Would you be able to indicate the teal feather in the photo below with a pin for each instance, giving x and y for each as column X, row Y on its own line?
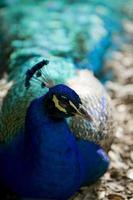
column 63, row 41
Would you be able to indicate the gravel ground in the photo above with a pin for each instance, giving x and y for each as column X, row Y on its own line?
column 117, row 184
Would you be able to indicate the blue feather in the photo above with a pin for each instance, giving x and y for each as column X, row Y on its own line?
column 46, row 160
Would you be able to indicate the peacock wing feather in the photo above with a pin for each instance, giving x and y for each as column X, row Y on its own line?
column 98, row 104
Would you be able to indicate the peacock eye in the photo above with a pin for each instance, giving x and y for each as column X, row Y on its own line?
column 63, row 99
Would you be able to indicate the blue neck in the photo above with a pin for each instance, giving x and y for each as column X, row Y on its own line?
column 52, row 150
column 41, row 128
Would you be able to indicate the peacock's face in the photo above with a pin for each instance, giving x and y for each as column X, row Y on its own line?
column 61, row 102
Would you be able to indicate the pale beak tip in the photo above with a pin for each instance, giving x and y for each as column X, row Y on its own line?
column 84, row 114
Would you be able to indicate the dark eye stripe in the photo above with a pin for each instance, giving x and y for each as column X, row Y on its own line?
column 64, row 105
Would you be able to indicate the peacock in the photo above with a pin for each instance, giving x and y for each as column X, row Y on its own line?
column 57, row 120
column 45, row 159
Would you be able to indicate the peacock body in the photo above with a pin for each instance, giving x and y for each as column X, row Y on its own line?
column 40, row 163
column 70, row 49
column 46, row 161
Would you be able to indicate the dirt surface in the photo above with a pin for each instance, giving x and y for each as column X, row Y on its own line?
column 117, row 183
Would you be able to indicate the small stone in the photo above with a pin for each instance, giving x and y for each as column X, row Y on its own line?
column 131, row 156
column 115, row 197
column 130, row 174
column 116, row 187
column 117, row 160
column 101, row 195
column 130, row 187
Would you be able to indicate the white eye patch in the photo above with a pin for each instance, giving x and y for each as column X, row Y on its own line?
column 57, row 105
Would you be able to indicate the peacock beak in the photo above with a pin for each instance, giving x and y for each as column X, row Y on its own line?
column 82, row 112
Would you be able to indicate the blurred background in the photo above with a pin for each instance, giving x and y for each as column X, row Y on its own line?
column 95, row 34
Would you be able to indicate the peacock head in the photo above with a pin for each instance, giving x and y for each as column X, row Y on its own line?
column 60, row 101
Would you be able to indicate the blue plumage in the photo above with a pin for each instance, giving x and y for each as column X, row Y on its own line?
column 45, row 160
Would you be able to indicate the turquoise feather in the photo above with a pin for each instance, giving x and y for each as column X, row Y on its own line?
column 70, row 45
